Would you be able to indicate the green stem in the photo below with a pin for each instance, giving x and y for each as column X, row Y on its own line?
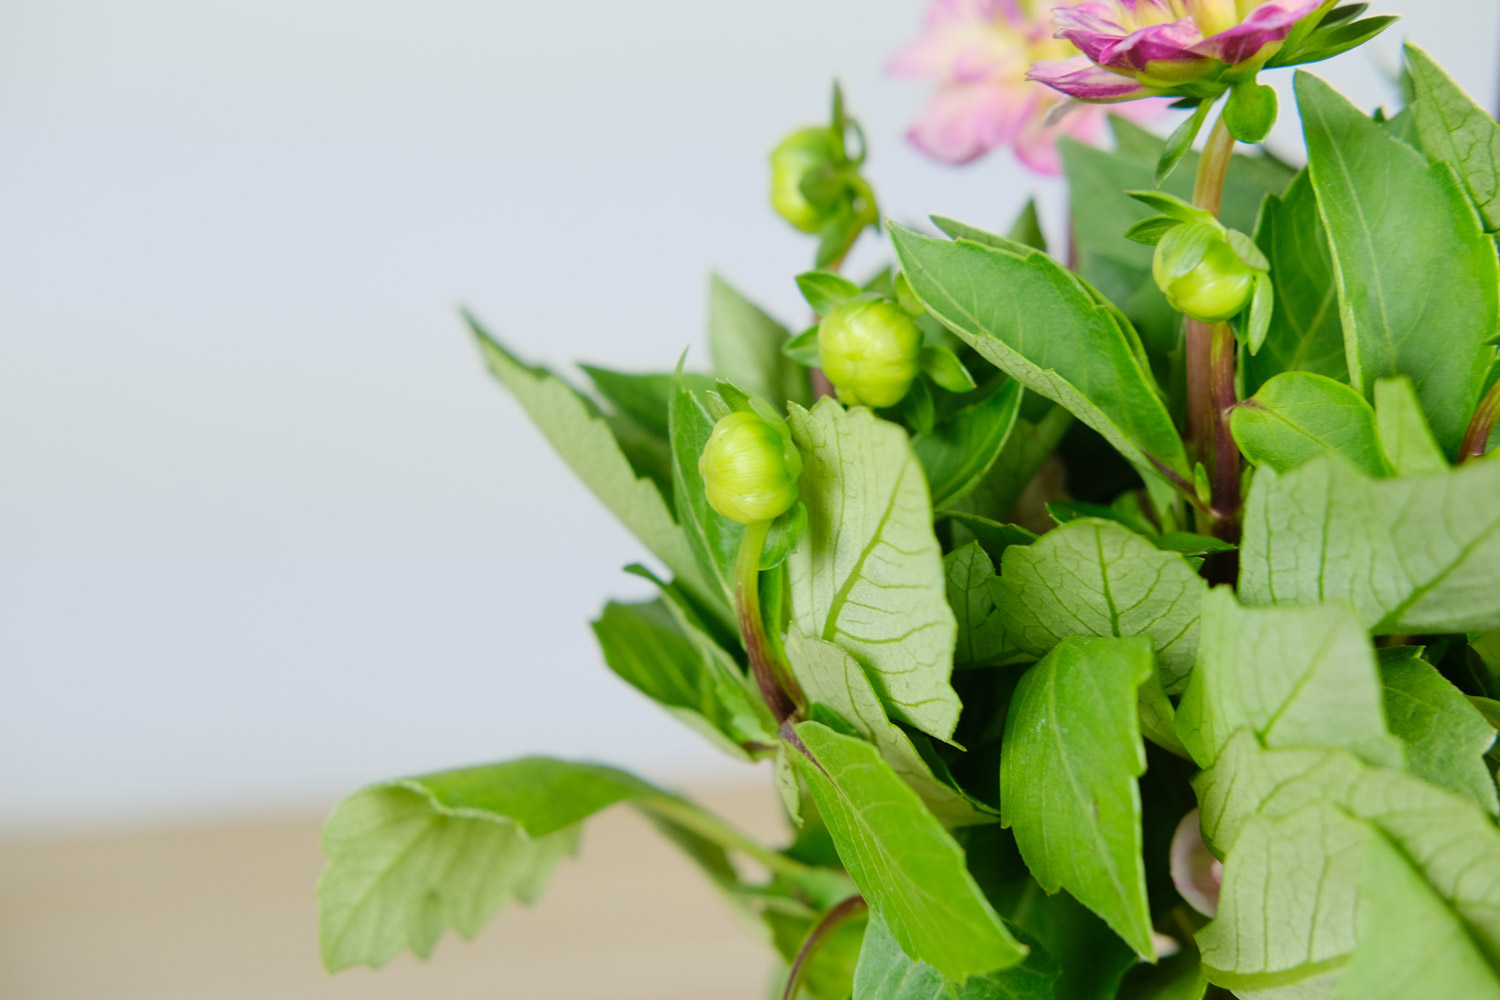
column 767, row 662
column 1477, row 437
column 691, row 817
column 1210, row 352
column 832, row 921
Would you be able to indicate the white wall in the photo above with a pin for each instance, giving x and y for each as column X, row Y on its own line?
column 266, row 530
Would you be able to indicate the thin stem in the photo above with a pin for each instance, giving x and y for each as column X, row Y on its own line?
column 1213, row 167
column 763, row 655
column 831, row 922
column 1481, row 426
column 692, row 817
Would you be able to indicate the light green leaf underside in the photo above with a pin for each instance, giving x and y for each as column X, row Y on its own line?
column 868, row 574
column 645, row 645
column 413, row 858
column 982, row 639
column 1294, row 676
column 1458, row 132
column 1298, row 826
column 1412, row 555
column 1036, row 321
column 1405, row 439
column 1097, row 577
column 1305, row 333
column 909, row 869
column 580, row 434
column 1073, row 752
column 831, row 678
column 1299, row 415
column 886, row 973
column 1445, row 736
column 745, row 345
column 1419, row 285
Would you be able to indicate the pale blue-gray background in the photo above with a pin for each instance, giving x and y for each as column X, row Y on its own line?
column 266, row 529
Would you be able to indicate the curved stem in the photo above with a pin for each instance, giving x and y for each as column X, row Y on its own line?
column 692, row 817
column 763, row 654
column 1481, row 426
column 831, row 922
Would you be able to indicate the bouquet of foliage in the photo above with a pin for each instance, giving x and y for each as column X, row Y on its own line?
column 1117, row 622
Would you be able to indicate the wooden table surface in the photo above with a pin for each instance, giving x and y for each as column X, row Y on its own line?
column 227, row 911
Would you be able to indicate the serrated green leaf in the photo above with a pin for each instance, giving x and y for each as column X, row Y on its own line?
column 1458, row 132
column 746, row 347
column 1299, row 415
column 1305, row 333
column 868, row 574
column 1096, row 577
column 982, row 640
column 1445, row 736
column 645, row 645
column 831, row 678
column 1072, row 798
column 1293, row 676
column 963, row 446
column 886, row 973
column 579, row 433
column 909, row 869
column 1034, row 320
column 1417, row 554
column 1405, row 439
column 1419, row 285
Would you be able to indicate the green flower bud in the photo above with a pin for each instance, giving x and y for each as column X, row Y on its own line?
column 871, row 351
column 799, row 157
column 750, row 468
column 1201, row 274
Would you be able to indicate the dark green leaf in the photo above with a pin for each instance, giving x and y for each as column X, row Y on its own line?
column 1419, row 286
column 1446, row 737
column 962, row 448
column 886, row 973
column 1180, row 141
column 1025, row 454
column 1072, row 798
column 992, row 536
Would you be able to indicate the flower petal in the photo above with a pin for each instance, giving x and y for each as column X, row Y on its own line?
column 1091, row 26
column 1077, row 77
column 962, row 122
column 1174, row 42
column 1265, row 25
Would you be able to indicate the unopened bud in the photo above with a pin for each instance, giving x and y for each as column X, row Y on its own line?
column 750, row 468
column 871, row 352
column 801, row 157
column 1201, row 275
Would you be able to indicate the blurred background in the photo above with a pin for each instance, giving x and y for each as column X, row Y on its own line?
column 268, row 531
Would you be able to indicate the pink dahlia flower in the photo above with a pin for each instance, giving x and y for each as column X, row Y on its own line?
column 978, row 53
column 1131, row 48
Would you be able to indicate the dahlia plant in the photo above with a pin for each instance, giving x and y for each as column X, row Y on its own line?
column 1115, row 623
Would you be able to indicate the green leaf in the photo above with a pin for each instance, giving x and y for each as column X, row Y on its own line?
column 1179, row 977
column 944, row 368
column 579, row 433
column 886, row 973
column 826, row 291
column 868, row 574
column 410, row 859
column 803, row 348
column 1419, row 285
column 829, row 973
column 1068, row 788
column 1101, row 212
column 992, row 536
column 785, row 532
column 1412, row 555
column 1445, row 736
column 1180, row 141
column 909, row 869
column 830, row 678
column 1458, row 132
column 1293, row 676
column 1150, row 231
column 1027, row 228
column 982, row 640
column 1026, row 451
column 1033, row 319
column 1298, row 415
column 746, row 346
column 1405, row 439
column 1096, row 577
column 1305, row 333
column 645, row 645
column 1250, row 111
column 715, row 539
column 965, row 444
